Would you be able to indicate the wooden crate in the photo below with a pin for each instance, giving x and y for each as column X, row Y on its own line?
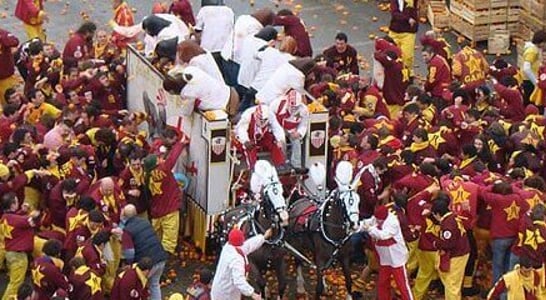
column 498, row 42
column 534, row 23
column 484, row 16
column 438, row 15
column 536, row 8
column 524, row 32
column 477, row 33
column 484, row 4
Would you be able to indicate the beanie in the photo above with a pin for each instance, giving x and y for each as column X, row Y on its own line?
column 381, row 212
column 4, row 170
column 236, row 237
column 531, row 110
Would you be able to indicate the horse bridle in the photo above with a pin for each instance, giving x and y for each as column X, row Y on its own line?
column 334, row 196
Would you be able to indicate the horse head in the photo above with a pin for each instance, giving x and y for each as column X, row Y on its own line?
column 265, row 183
column 348, row 197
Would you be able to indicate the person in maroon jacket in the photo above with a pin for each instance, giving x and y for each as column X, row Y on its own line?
column 131, row 283
column 511, row 104
column 18, row 230
column 531, row 237
column 80, row 45
column 92, row 252
column 7, row 64
column 32, row 13
column 396, row 77
column 47, row 276
column 165, row 195
column 183, row 10
column 63, row 196
column 403, row 27
column 454, row 247
column 294, row 27
column 439, row 75
column 342, row 56
column 86, row 284
column 440, row 45
column 371, row 185
column 506, row 212
column 82, row 228
column 131, row 181
column 417, row 181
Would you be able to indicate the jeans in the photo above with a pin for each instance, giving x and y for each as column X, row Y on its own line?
column 154, row 277
column 501, row 256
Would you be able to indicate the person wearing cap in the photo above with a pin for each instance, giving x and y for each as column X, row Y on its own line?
column 384, row 228
column 292, row 115
column 200, row 290
column 523, row 282
column 164, row 195
column 232, row 269
column 139, row 241
column 17, row 228
column 255, row 131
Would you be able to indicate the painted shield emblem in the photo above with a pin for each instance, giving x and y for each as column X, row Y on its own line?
column 218, row 145
column 317, row 138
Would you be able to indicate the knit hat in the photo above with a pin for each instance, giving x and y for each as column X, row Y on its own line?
column 531, row 110
column 149, row 162
column 4, row 170
column 236, row 237
column 381, row 212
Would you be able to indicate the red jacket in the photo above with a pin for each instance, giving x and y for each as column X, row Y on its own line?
column 452, row 240
column 531, row 239
column 7, row 64
column 439, row 76
column 294, row 27
column 130, row 284
column 76, row 49
column 93, row 258
column 18, row 232
column 164, row 189
column 28, row 11
column 111, row 210
column 440, row 46
column 86, row 284
column 413, row 183
column 182, row 9
column 396, row 79
column 464, row 200
column 506, row 212
column 511, row 106
column 399, row 19
column 47, row 278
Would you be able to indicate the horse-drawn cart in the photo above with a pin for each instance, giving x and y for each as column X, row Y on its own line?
column 210, row 164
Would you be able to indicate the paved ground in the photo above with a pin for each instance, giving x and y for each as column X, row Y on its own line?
column 323, row 18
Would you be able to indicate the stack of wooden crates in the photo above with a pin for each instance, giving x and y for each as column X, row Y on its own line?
column 477, row 19
column 532, row 19
column 438, row 14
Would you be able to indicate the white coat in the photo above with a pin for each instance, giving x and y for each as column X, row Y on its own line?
column 395, row 255
column 286, row 77
column 230, row 282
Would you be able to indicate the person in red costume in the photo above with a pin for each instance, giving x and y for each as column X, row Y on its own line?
column 439, row 73
column 123, row 16
column 131, row 283
column 294, row 27
column 32, row 13
column 183, row 10
column 47, row 276
column 8, row 79
column 80, row 45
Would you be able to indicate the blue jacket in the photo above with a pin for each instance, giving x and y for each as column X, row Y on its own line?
column 145, row 240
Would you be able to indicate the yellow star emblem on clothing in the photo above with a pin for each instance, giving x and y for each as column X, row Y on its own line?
column 459, row 195
column 94, row 283
column 6, row 229
column 76, row 220
column 533, row 238
column 538, row 130
column 432, row 228
column 512, row 211
column 37, row 276
column 435, row 139
column 530, row 140
column 533, row 201
column 473, row 64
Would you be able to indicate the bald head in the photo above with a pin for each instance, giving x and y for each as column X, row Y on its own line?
column 107, row 186
column 129, row 211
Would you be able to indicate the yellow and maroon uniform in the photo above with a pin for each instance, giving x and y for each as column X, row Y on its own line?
column 47, row 277
column 86, row 284
column 470, row 67
column 130, row 284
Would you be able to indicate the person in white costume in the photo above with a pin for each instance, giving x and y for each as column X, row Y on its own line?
column 386, row 233
column 290, row 75
column 214, row 27
column 291, row 113
column 191, row 54
column 230, row 281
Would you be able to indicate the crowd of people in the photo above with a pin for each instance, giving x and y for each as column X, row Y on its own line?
column 452, row 166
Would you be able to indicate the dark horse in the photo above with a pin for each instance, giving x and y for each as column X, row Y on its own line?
column 254, row 218
column 324, row 228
